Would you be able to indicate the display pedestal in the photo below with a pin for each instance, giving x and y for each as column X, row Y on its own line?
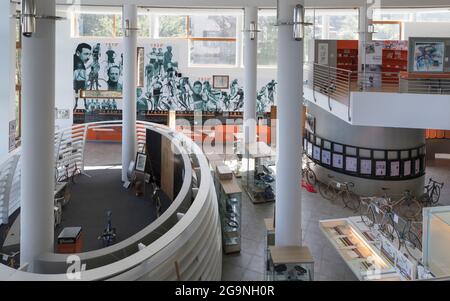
column 290, row 263
column 70, row 241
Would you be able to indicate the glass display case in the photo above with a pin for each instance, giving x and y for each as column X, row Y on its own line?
column 258, row 179
column 436, row 240
column 230, row 204
column 290, row 263
column 360, row 253
column 268, row 242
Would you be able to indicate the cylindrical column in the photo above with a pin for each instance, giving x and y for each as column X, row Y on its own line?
column 365, row 18
column 289, row 142
column 250, row 62
column 129, row 88
column 38, row 122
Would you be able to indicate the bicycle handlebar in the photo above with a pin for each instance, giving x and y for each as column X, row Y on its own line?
column 431, row 181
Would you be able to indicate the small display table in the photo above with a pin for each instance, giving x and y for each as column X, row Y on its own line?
column 70, row 241
column 290, row 263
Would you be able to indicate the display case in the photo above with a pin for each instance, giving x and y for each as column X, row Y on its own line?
column 290, row 263
column 359, row 249
column 268, row 242
column 258, row 179
column 436, row 240
column 230, row 204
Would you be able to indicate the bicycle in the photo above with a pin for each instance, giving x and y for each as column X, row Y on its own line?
column 308, row 173
column 410, row 239
column 432, row 193
column 376, row 211
column 10, row 259
column 412, row 209
column 109, row 235
column 335, row 190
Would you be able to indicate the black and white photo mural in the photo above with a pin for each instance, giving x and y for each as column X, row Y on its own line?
column 99, row 67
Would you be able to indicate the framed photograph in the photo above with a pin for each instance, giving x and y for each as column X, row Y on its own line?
column 310, row 149
column 395, row 169
column 429, row 56
column 417, row 166
column 141, row 160
column 380, row 168
column 326, row 157
column 338, row 161
column 351, row 164
column 323, row 54
column 366, row 167
column 221, row 82
column 316, row 153
column 407, row 168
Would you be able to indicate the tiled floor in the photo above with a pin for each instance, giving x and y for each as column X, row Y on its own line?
column 248, row 264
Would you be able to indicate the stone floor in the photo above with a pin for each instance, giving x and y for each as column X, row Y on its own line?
column 248, row 264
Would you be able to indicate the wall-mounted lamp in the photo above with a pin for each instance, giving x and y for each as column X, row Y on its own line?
column 127, row 29
column 370, row 28
column 28, row 18
column 253, row 30
column 298, row 21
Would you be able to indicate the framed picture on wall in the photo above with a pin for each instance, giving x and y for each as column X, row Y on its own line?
column 351, row 164
column 380, row 168
column 407, row 168
column 429, row 56
column 316, row 153
column 417, row 166
column 366, row 167
column 141, row 160
column 395, row 169
column 310, row 149
column 221, row 81
column 326, row 157
column 338, row 161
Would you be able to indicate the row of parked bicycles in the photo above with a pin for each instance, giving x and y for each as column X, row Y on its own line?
column 396, row 217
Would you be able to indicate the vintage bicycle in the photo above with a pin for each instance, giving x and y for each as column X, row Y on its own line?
column 336, row 190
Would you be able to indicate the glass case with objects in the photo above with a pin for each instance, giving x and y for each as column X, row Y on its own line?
column 436, row 240
column 358, row 250
column 268, row 242
column 290, row 263
column 258, row 179
column 229, row 198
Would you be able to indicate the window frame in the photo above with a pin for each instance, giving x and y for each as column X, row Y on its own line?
column 390, row 22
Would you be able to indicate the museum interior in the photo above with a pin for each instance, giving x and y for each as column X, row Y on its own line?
column 256, row 140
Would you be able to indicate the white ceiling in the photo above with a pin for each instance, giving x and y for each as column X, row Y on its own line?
column 258, row 3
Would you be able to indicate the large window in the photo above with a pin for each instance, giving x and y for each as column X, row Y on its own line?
column 172, row 26
column 335, row 24
column 212, row 39
column 393, row 24
column 97, row 25
column 267, row 38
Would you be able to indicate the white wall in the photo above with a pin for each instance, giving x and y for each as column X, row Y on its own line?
column 426, row 29
column 401, row 110
column 7, row 73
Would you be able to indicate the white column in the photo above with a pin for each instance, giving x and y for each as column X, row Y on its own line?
column 38, row 120
column 325, row 27
column 289, row 141
column 129, row 90
column 365, row 18
column 7, row 73
column 250, row 63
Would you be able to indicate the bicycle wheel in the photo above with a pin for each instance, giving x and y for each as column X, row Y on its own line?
column 412, row 242
column 351, row 200
column 412, row 209
column 327, row 192
column 311, row 177
column 387, row 228
column 435, row 195
column 367, row 214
